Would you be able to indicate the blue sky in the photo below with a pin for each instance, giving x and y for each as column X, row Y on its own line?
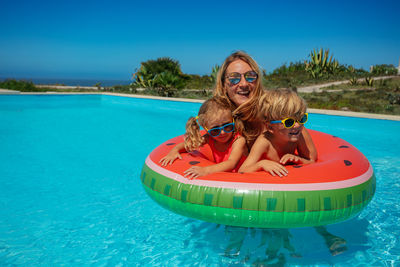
column 109, row 39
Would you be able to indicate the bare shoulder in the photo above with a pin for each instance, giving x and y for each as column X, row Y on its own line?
column 262, row 141
column 239, row 141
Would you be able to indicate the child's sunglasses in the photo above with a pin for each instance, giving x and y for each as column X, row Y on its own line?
column 235, row 77
column 290, row 122
column 214, row 132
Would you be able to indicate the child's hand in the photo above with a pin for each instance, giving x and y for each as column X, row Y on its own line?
column 195, row 172
column 290, row 158
column 170, row 158
column 274, row 168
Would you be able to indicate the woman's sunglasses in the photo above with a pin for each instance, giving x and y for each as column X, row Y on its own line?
column 235, row 77
column 290, row 122
column 214, row 132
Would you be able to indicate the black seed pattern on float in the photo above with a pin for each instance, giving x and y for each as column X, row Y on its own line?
column 347, row 162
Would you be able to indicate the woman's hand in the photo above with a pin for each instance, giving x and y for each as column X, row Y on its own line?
column 170, row 158
column 195, row 172
column 274, row 168
column 290, row 158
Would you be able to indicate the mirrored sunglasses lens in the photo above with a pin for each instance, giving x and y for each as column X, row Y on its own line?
column 289, row 123
column 250, row 79
column 250, row 76
column 234, row 80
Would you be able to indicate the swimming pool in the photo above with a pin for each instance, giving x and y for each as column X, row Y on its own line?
column 70, row 192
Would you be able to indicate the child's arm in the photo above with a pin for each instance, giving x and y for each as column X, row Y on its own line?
column 238, row 148
column 253, row 162
column 287, row 158
column 173, row 154
column 305, row 148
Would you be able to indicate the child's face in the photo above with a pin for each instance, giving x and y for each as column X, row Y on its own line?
column 218, row 120
column 283, row 134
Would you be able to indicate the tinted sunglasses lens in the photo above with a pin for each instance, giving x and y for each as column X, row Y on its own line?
column 214, row 132
column 289, row 123
column 234, row 77
column 304, row 119
column 228, row 128
column 250, row 79
column 250, row 76
column 234, row 80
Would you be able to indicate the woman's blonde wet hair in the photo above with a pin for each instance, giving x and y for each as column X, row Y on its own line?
column 247, row 113
column 209, row 109
column 279, row 104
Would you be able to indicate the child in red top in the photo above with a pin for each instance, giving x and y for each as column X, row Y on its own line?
column 227, row 145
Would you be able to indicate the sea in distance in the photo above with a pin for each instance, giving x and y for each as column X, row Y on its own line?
column 71, row 82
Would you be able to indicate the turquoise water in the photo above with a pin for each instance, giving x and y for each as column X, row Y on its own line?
column 70, row 192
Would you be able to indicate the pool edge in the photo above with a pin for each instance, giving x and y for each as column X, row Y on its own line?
column 311, row 110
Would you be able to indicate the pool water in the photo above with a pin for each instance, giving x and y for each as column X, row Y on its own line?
column 70, row 192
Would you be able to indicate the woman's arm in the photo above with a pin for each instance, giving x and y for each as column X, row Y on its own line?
column 238, row 148
column 253, row 162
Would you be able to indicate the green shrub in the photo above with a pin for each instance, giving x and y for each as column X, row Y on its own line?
column 193, row 81
column 369, row 81
column 168, row 83
column 23, row 86
column 163, row 73
column 384, row 69
column 321, row 65
column 353, row 81
column 214, row 73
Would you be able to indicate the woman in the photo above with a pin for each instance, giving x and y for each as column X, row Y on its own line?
column 239, row 82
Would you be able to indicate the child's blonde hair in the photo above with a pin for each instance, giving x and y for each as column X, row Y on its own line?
column 279, row 104
column 208, row 110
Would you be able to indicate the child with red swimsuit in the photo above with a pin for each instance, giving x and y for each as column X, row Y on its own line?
column 227, row 145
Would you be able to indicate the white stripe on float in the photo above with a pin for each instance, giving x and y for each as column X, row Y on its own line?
column 267, row 187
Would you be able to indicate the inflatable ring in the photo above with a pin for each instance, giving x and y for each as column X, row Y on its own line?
column 335, row 188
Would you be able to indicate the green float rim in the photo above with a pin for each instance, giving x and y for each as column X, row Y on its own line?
column 258, row 208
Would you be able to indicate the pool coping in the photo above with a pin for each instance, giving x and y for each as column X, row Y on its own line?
column 311, row 110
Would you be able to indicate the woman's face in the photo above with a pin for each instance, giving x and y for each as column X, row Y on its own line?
column 241, row 92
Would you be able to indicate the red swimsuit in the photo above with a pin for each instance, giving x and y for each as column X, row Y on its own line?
column 220, row 156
